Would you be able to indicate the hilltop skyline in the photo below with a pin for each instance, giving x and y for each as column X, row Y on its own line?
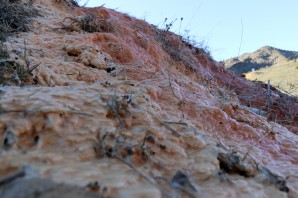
column 230, row 28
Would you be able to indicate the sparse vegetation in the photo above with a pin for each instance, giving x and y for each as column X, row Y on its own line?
column 119, row 108
column 15, row 17
column 87, row 23
column 180, row 49
column 171, row 46
column 137, row 155
column 15, row 72
column 192, row 42
column 121, row 150
column 282, row 109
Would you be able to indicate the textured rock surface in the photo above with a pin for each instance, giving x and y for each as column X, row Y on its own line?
column 119, row 93
column 30, row 188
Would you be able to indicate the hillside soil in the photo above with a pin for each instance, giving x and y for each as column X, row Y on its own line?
column 110, row 106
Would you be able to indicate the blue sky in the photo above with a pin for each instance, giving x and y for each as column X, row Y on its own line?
column 219, row 22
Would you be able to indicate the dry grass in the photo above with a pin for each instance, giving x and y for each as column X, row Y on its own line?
column 119, row 108
column 282, row 109
column 15, row 17
column 13, row 72
column 183, row 50
column 87, row 23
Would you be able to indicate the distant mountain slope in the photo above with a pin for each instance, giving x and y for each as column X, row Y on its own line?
column 283, row 76
column 263, row 57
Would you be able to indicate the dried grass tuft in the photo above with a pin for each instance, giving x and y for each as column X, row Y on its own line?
column 87, row 23
column 15, row 17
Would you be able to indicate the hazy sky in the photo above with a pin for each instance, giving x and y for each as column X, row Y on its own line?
column 218, row 22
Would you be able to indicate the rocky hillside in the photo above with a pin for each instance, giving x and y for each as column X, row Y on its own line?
column 263, row 57
column 96, row 103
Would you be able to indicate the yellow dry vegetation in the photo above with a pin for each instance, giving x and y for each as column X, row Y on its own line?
column 283, row 76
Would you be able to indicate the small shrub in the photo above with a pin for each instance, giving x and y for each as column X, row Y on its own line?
column 14, row 71
column 15, row 17
column 168, row 45
column 180, row 49
column 88, row 23
column 191, row 42
column 9, row 72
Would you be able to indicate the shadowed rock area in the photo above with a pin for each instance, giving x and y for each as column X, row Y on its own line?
column 43, row 188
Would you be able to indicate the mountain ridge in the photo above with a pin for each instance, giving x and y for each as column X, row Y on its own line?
column 265, row 56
